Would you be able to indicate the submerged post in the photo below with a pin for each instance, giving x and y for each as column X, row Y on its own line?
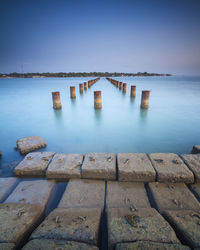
column 145, row 99
column 85, row 85
column 81, row 88
column 124, row 87
column 133, row 91
column 72, row 92
column 97, row 100
column 56, row 100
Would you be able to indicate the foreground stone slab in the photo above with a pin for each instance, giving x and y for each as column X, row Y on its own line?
column 99, row 166
column 30, row 143
column 57, row 245
column 34, row 164
column 6, row 186
column 187, row 223
column 32, row 192
column 7, row 246
column 135, row 167
column 193, row 163
column 126, row 194
column 83, row 193
column 65, row 166
column 17, row 221
column 196, row 149
column 170, row 168
column 173, row 196
column 196, row 188
column 71, row 224
column 145, row 224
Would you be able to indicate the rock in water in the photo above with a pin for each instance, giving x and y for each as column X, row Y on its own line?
column 30, row 143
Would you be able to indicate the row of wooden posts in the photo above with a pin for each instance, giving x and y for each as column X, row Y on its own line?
column 123, row 86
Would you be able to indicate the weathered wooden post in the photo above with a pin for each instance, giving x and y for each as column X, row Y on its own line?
column 85, row 85
column 145, row 99
column 120, row 85
column 133, row 91
column 97, row 100
column 56, row 100
column 81, row 88
column 72, row 92
column 124, row 87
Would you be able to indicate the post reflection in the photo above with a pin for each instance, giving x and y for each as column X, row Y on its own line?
column 98, row 115
column 143, row 115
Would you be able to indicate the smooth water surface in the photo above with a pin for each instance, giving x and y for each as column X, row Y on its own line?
column 171, row 124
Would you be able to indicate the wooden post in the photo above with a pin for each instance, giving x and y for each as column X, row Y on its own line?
column 81, row 88
column 56, row 100
column 133, row 91
column 124, row 87
column 72, row 92
column 145, row 99
column 85, row 85
column 97, row 100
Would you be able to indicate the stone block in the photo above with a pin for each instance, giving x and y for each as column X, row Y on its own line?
column 65, row 166
column 196, row 188
column 83, row 193
column 7, row 246
column 170, row 168
column 196, row 149
column 99, row 166
column 34, row 164
column 193, row 163
column 6, row 186
column 135, row 167
column 30, row 143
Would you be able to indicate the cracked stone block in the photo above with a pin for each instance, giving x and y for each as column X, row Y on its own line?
column 170, row 168
column 17, row 221
column 65, row 166
column 71, row 224
column 57, row 245
column 83, row 193
column 196, row 188
column 145, row 224
column 126, row 194
column 30, row 143
column 6, row 186
column 135, row 167
column 99, row 166
column 173, row 196
column 196, row 149
column 193, row 163
column 7, row 246
column 187, row 223
column 34, row 164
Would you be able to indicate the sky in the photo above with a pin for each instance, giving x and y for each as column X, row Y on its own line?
column 160, row 36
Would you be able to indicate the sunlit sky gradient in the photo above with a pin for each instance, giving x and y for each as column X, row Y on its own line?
column 161, row 36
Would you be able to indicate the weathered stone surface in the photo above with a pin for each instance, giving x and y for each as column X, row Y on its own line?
column 32, row 192
column 83, row 193
column 170, row 168
column 65, row 166
column 135, row 167
column 126, row 194
column 6, row 186
column 7, row 246
column 57, row 245
column 145, row 224
column 193, row 163
column 196, row 188
column 17, row 220
column 99, row 166
column 34, row 164
column 187, row 223
column 173, row 196
column 148, row 245
column 30, row 143
column 196, row 149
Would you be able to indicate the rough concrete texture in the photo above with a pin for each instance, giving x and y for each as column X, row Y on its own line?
column 187, row 223
column 32, row 192
column 126, row 194
column 7, row 246
column 99, row 166
column 170, row 168
column 34, row 164
column 148, row 245
column 173, row 196
column 71, row 224
column 145, row 224
column 196, row 149
column 196, row 188
column 65, row 166
column 6, row 186
column 30, row 143
column 193, row 163
column 83, row 193
column 17, row 220
column 135, row 167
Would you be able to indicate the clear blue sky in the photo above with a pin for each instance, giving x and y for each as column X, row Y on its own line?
column 161, row 36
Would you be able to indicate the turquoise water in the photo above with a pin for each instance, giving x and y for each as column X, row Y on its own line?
column 171, row 124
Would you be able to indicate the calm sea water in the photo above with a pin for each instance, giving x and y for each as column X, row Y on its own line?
column 171, row 124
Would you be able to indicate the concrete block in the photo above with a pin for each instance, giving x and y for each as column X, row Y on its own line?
column 71, row 224
column 34, row 164
column 145, row 224
column 99, row 166
column 170, row 168
column 6, row 186
column 126, row 194
column 196, row 149
column 193, row 163
column 17, row 221
column 7, row 246
column 30, row 143
column 65, row 166
column 83, row 193
column 135, row 167
column 196, row 188
column 187, row 223
column 173, row 196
